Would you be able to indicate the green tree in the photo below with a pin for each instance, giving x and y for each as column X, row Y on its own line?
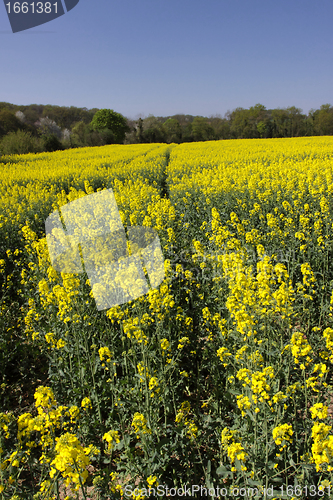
column 79, row 132
column 109, row 119
column 239, row 123
column 296, row 122
column 31, row 116
column 173, row 131
column 187, row 135
column 8, row 122
column 221, row 127
column 83, row 136
column 261, row 127
column 139, row 130
column 257, row 114
column 66, row 117
column 153, row 130
column 279, row 123
column 202, row 130
column 288, row 122
column 323, row 120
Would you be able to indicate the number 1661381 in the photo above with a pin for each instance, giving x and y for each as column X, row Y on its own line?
column 32, row 8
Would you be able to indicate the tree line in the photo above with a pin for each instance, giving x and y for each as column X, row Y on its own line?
column 36, row 128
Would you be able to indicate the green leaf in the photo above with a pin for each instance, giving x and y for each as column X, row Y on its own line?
column 254, row 483
column 238, row 465
column 223, row 472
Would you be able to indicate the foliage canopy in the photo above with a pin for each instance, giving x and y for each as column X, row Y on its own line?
column 109, row 119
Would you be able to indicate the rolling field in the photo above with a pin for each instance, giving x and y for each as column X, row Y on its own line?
column 218, row 381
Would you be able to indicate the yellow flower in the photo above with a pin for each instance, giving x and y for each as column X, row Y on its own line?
column 86, row 403
column 243, row 402
column 44, row 397
column 322, row 448
column 74, row 412
column 152, row 480
column 71, row 460
column 140, row 424
column 223, row 354
column 226, row 437
column 154, row 386
column 192, row 429
column 183, row 341
column 300, row 347
column 184, row 410
column 282, row 433
column 325, row 484
column 104, row 352
column 111, row 437
column 318, row 410
column 60, row 344
column 50, row 338
column 279, row 396
column 236, row 450
column 165, row 344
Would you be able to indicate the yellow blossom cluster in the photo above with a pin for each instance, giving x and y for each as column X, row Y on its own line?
column 322, row 447
column 139, row 423
column 233, row 448
column 182, row 419
column 282, row 434
column 300, row 348
column 111, row 437
column 64, row 455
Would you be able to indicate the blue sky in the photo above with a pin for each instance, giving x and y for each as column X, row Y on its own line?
column 162, row 57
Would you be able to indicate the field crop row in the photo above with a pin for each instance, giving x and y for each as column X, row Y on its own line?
column 222, row 375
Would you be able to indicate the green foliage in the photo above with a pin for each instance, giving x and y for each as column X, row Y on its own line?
column 202, row 130
column 100, row 127
column 65, row 117
column 8, row 122
column 109, row 119
column 79, row 132
column 51, row 143
column 20, row 142
column 153, row 130
column 261, row 127
column 324, row 120
column 173, row 131
column 107, row 136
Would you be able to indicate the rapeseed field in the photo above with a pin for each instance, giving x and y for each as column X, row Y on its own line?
column 215, row 384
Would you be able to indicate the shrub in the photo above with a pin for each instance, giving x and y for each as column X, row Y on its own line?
column 20, row 142
column 51, row 143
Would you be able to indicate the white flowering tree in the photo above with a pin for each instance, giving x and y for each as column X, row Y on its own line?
column 21, row 116
column 48, row 127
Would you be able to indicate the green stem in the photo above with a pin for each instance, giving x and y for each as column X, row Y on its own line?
column 94, row 384
column 81, row 484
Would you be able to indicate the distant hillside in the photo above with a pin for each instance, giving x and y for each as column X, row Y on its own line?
column 64, row 117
